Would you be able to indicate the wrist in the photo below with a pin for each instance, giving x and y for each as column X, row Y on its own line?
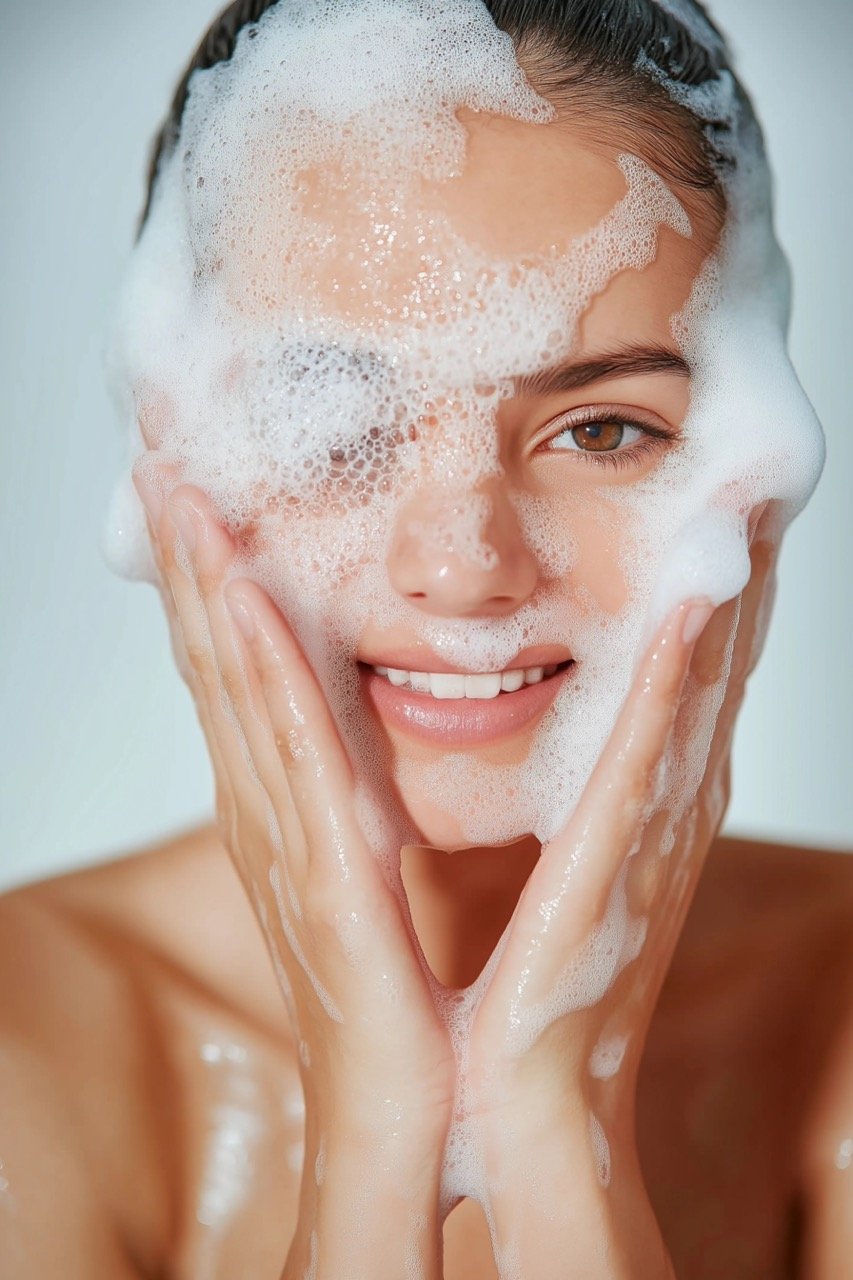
column 567, row 1199
column 369, row 1206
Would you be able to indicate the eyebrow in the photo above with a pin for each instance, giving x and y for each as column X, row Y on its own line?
column 627, row 362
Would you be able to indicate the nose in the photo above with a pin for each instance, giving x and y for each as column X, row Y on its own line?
column 462, row 554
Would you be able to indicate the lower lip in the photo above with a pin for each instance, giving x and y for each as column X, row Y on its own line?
column 462, row 722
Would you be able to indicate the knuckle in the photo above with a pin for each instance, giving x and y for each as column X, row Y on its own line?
column 205, row 673
column 232, row 684
column 206, row 581
column 320, row 905
column 291, row 749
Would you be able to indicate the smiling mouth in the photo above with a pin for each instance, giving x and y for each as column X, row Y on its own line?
column 453, row 710
column 481, row 687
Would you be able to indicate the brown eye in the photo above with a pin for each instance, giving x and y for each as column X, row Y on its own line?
column 599, row 437
column 608, row 435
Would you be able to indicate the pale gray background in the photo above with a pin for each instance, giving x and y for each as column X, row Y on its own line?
column 100, row 750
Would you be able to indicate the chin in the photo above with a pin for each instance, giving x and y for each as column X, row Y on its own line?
column 435, row 828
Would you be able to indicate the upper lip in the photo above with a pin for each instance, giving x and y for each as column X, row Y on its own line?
column 421, row 658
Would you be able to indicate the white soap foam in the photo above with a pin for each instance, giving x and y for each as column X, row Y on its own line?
column 606, row 1058
column 614, row 942
column 600, row 1150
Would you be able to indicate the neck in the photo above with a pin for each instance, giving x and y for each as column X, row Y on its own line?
column 461, row 902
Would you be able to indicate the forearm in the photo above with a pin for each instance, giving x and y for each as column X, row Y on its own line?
column 563, row 1206
column 369, row 1210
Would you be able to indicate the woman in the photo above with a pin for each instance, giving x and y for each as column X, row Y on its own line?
column 175, row 1102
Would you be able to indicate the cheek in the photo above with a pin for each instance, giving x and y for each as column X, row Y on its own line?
column 306, row 557
column 603, row 535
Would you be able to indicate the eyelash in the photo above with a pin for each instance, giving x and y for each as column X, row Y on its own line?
column 654, row 437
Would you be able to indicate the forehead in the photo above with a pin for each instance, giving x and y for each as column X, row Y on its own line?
column 381, row 249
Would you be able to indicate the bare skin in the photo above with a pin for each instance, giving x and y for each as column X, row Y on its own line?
column 111, row 990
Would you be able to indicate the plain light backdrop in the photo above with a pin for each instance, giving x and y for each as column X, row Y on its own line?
column 100, row 751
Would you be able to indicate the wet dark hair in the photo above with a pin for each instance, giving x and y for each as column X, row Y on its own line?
column 594, row 59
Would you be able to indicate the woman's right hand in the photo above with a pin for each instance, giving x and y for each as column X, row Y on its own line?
column 377, row 1064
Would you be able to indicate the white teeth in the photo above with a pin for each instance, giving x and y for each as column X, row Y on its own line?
column 442, row 685
column 483, row 686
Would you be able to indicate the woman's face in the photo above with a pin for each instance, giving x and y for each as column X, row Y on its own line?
column 454, row 579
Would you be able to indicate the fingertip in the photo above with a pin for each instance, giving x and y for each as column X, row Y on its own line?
column 201, row 530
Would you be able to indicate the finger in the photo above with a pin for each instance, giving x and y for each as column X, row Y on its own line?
column 187, row 614
column 241, row 692
column 345, row 885
column 587, row 855
column 309, row 745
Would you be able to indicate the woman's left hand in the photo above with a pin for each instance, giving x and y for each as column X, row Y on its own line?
column 556, row 1040
column 572, row 931
column 615, row 884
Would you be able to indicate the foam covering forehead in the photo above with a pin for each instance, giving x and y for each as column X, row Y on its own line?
column 324, row 328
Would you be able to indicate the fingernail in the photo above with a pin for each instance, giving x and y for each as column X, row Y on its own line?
column 242, row 618
column 185, row 525
column 149, row 497
column 695, row 622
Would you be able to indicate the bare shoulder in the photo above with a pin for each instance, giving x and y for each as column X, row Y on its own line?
column 102, row 972
column 83, row 1070
column 787, row 908
column 78, row 1072
column 787, row 911
column 767, row 880
column 794, row 908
